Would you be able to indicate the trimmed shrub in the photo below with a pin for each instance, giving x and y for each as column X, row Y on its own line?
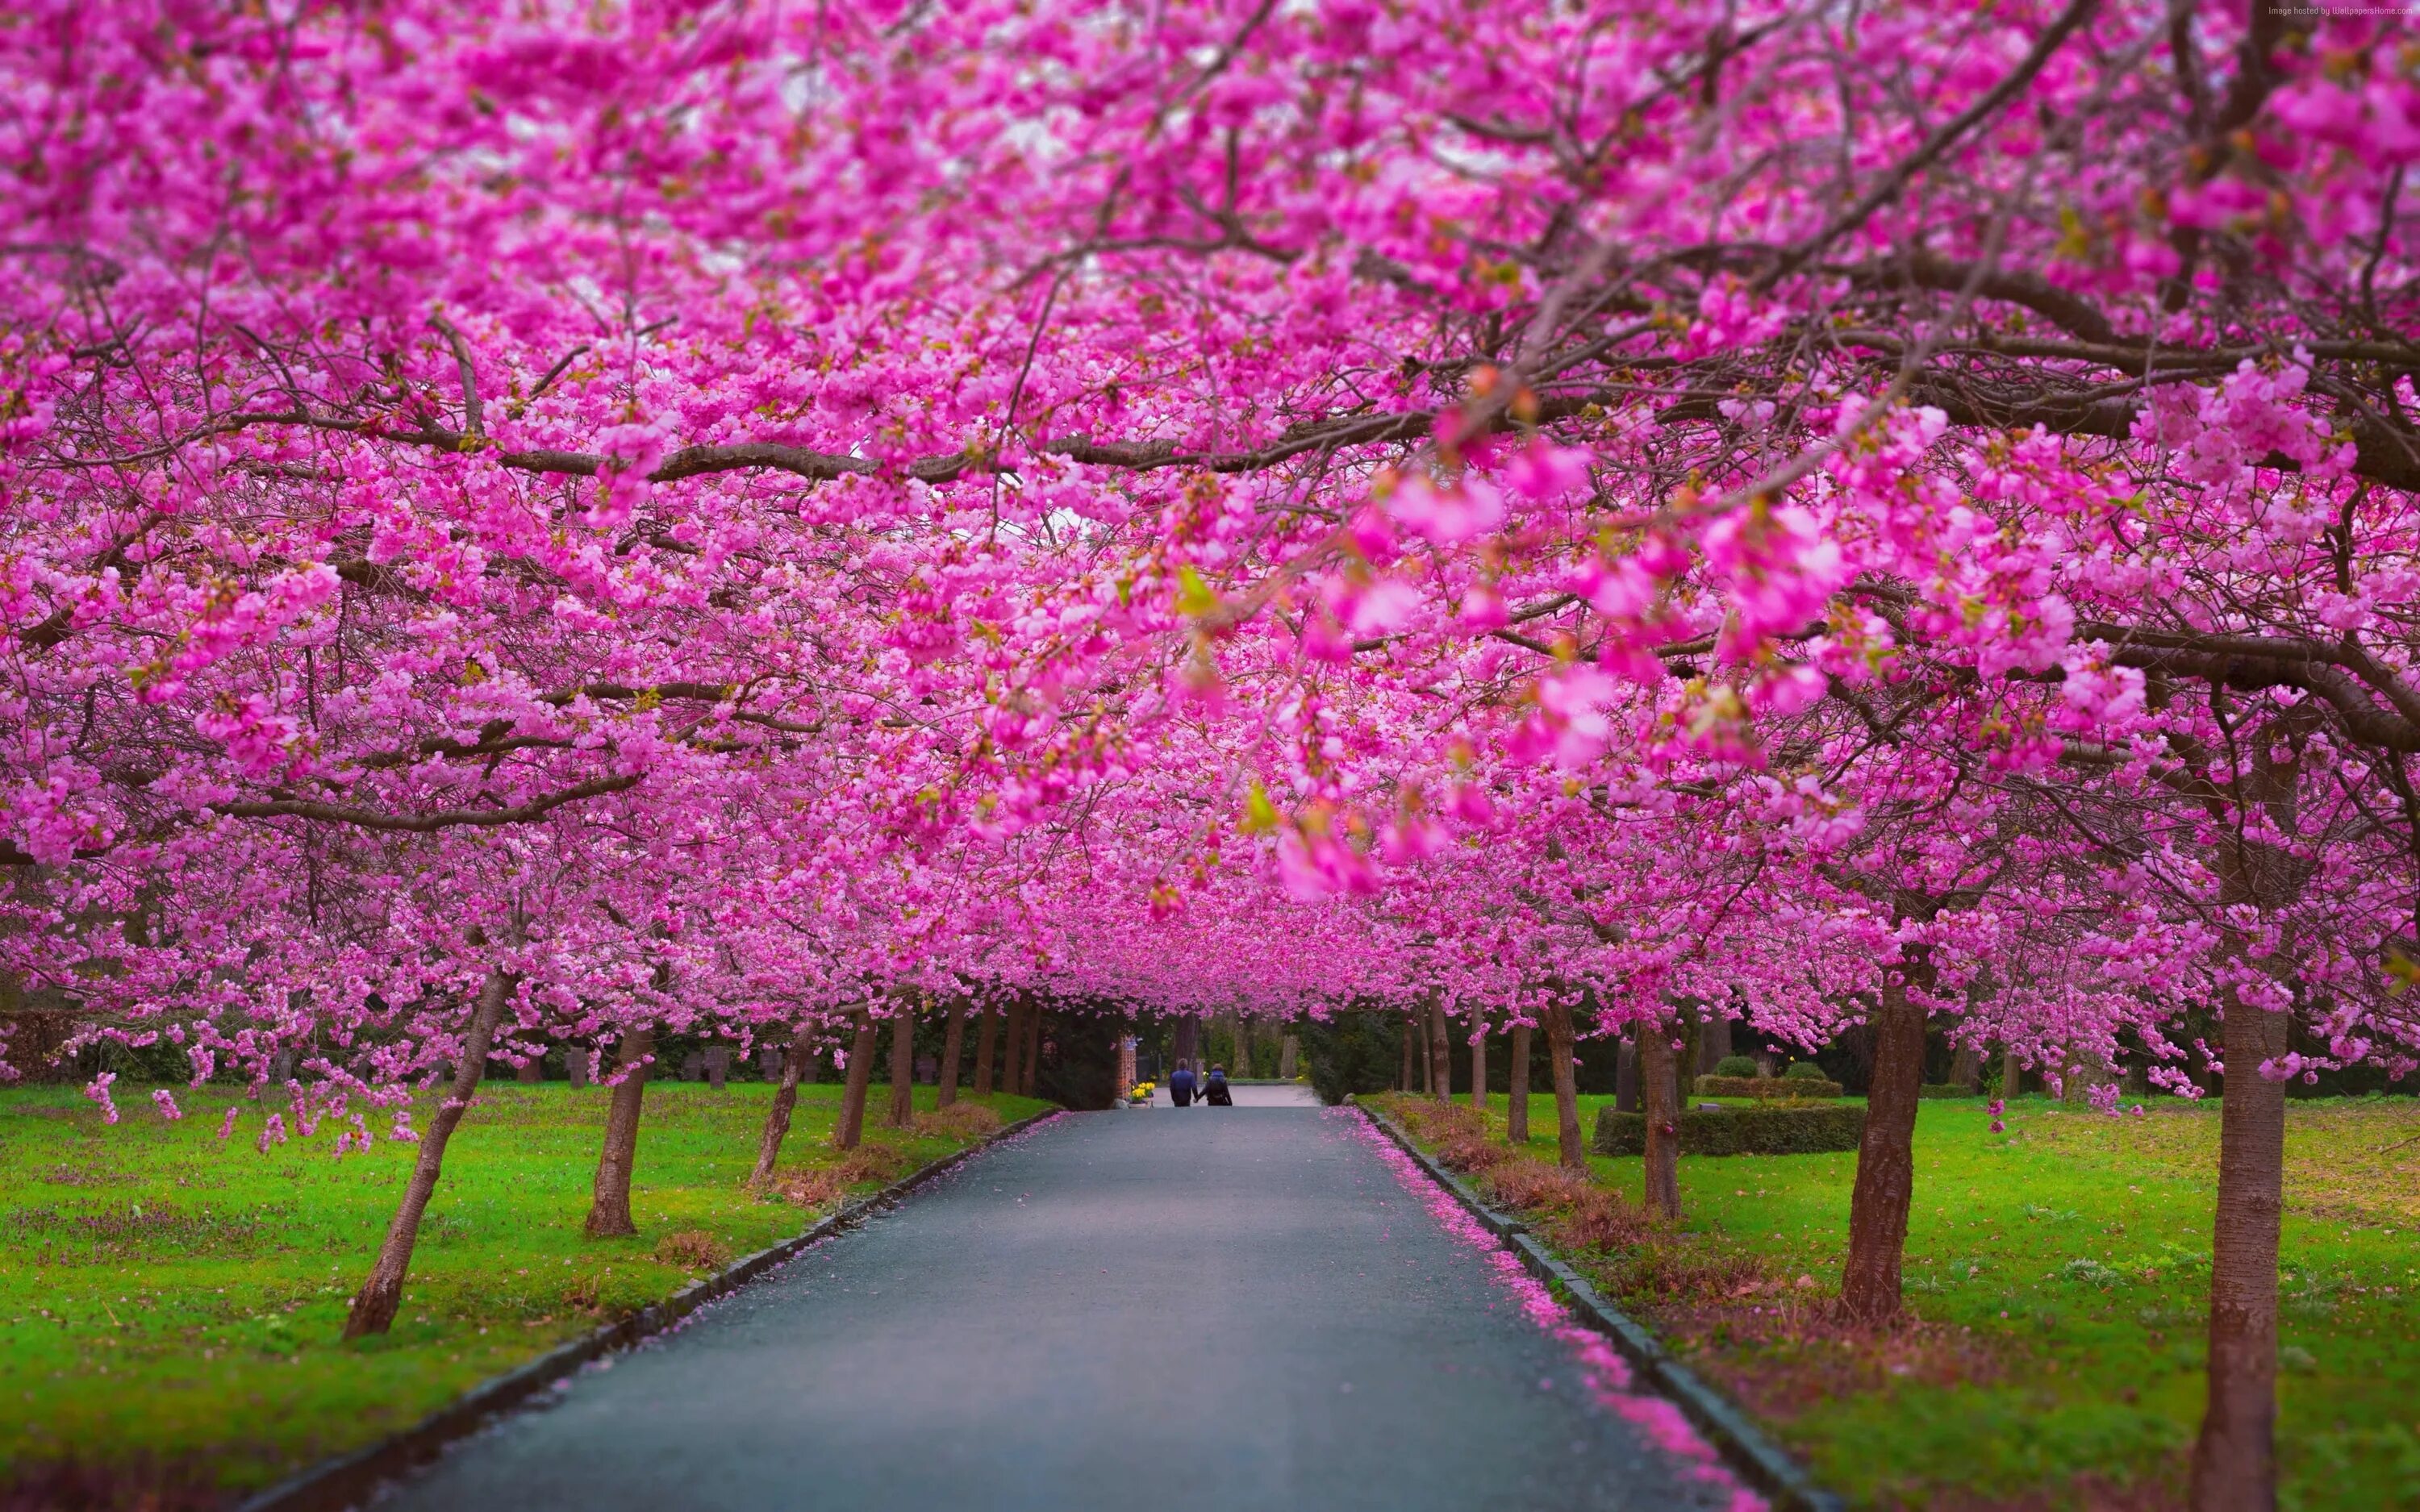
column 1779, row 1131
column 1944, row 1090
column 1775, row 1088
column 1735, row 1066
column 1806, row 1070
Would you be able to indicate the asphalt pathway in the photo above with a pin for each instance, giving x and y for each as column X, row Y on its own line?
column 1235, row 1307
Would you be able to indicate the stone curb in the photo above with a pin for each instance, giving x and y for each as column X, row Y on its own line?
column 1765, row 1463
column 350, row 1480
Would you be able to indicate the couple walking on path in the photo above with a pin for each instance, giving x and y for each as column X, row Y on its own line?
column 1211, row 1087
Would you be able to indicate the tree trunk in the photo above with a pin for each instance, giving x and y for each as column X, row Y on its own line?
column 1684, row 1060
column 1243, row 1066
column 1012, row 1078
column 1289, row 1058
column 1441, row 1055
column 2234, row 1459
column 1479, row 1070
column 1516, row 1111
column 374, row 1305
column 609, row 1206
column 1713, row 1039
column 2234, row 1469
column 1869, row 1281
column 1569, row 1150
column 953, row 1045
column 785, row 1102
column 1032, row 1083
column 903, row 1068
column 2013, row 1072
column 850, row 1129
column 986, row 1047
column 1625, row 1073
column 1965, row 1067
column 530, row 1071
column 1659, row 1086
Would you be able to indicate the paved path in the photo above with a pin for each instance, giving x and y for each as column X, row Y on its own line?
column 1253, row 1095
column 1240, row 1308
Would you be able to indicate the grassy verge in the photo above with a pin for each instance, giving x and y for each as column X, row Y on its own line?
column 170, row 1304
column 2057, row 1279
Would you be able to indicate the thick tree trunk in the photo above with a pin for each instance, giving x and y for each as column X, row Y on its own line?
column 609, row 1206
column 1441, row 1055
column 1031, row 1084
column 1658, row 1070
column 1011, row 1079
column 1878, row 1205
column 785, row 1102
column 986, row 1048
column 1516, row 1111
column 1569, row 1150
column 1479, row 1070
column 903, row 1068
column 374, row 1305
column 953, row 1045
column 1625, row 1073
column 850, row 1129
column 1289, row 1058
column 2233, row 1463
column 2013, row 1072
column 1243, row 1066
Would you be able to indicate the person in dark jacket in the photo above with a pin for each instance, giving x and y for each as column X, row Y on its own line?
column 1180, row 1085
column 1214, row 1091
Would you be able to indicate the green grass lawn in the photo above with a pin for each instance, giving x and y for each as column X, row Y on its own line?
column 170, row 1306
column 2059, row 1275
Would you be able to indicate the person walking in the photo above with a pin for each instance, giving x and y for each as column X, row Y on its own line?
column 1214, row 1091
column 1180, row 1085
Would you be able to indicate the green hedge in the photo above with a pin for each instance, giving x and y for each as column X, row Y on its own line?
column 1765, row 1086
column 1944, row 1090
column 1735, row 1066
column 1782, row 1131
